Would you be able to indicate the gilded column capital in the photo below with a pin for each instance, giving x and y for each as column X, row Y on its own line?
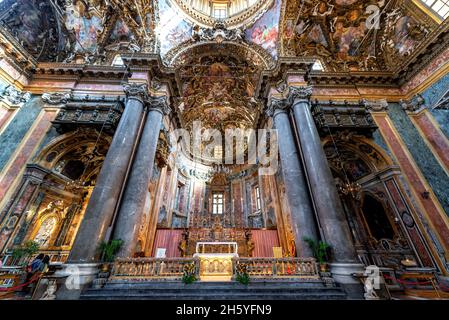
column 300, row 93
column 159, row 104
column 277, row 106
column 136, row 90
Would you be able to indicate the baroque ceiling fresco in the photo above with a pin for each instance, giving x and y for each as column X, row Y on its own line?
column 346, row 36
column 218, row 63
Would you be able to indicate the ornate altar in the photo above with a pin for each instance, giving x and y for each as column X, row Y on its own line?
column 214, row 234
column 216, row 260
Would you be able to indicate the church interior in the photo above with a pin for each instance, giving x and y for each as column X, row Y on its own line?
column 173, row 149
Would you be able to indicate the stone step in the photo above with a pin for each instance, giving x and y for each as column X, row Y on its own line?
column 214, row 285
column 176, row 290
column 213, row 291
column 233, row 296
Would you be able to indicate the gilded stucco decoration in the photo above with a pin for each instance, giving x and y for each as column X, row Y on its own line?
column 346, row 35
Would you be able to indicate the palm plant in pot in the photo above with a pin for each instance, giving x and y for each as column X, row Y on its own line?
column 108, row 252
column 320, row 250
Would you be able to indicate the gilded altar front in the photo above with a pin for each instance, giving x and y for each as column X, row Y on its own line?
column 216, row 260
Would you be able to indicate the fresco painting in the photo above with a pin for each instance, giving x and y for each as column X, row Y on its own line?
column 265, row 32
column 173, row 29
column 121, row 32
column 85, row 27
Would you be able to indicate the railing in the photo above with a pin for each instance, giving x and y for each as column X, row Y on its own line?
column 257, row 268
column 56, row 256
column 279, row 268
column 147, row 268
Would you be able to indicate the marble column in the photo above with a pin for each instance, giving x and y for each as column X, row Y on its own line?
column 302, row 214
column 102, row 203
column 327, row 201
column 136, row 194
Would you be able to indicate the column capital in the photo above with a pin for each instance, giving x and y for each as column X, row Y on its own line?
column 159, row 104
column 136, row 90
column 415, row 105
column 299, row 93
column 277, row 106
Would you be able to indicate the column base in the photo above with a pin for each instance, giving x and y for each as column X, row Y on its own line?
column 342, row 273
column 75, row 278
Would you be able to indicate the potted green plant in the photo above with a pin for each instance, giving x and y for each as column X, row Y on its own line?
column 24, row 252
column 108, row 252
column 188, row 275
column 242, row 274
column 319, row 249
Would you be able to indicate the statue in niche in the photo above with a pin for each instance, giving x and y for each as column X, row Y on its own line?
column 48, row 225
column 45, row 231
column 291, row 244
column 250, row 245
column 183, row 243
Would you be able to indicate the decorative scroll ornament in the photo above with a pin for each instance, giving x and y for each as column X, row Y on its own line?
column 163, row 149
column 136, row 90
column 416, row 104
column 14, row 96
column 376, row 106
column 218, row 33
column 55, row 98
column 159, row 104
column 300, row 93
column 282, row 105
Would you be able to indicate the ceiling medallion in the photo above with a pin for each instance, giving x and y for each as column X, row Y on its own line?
column 233, row 13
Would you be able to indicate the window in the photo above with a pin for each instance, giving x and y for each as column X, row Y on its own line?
column 258, row 201
column 317, row 66
column 441, row 7
column 219, row 11
column 217, row 203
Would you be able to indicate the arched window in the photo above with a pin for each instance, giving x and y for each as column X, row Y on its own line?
column 376, row 218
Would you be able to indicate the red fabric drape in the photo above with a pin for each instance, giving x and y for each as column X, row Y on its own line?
column 168, row 239
column 264, row 241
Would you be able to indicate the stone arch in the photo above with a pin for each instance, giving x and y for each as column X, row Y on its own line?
column 253, row 53
column 84, row 146
column 356, row 150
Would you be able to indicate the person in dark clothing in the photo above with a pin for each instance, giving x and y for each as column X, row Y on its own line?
column 38, row 265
